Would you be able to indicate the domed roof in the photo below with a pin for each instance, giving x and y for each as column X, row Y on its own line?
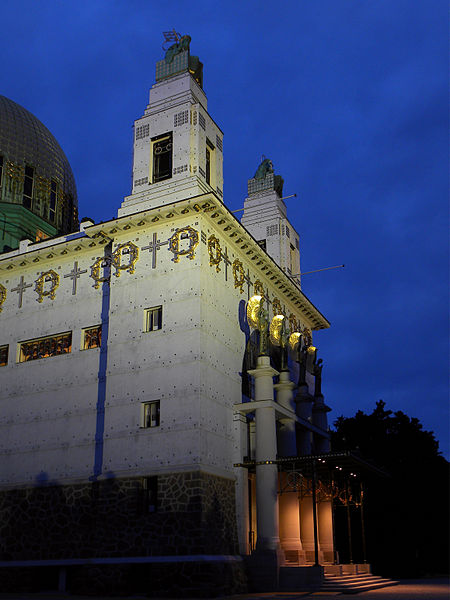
column 25, row 140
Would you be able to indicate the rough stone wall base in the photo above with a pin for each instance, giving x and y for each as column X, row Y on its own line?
column 175, row 580
column 195, row 514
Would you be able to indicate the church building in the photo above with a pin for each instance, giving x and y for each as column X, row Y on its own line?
column 162, row 419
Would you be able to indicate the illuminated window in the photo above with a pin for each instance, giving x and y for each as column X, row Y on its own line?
column 153, row 318
column 28, row 187
column 150, row 414
column 44, row 347
column 40, row 235
column 4, row 355
column 91, row 337
column 162, row 157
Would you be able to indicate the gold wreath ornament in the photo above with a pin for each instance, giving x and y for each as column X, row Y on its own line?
column 103, row 262
column 174, row 243
column 215, row 252
column 49, row 276
column 3, row 293
column 239, row 275
column 127, row 249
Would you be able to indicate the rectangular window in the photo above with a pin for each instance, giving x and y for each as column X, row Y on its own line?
column 150, row 414
column 53, row 345
column 52, row 205
column 1, row 169
column 153, row 318
column 91, row 337
column 149, row 494
column 288, row 233
column 4, row 355
column 208, row 166
column 209, row 174
column 162, row 157
column 28, row 187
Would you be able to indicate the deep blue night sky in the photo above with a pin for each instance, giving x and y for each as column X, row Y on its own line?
column 349, row 100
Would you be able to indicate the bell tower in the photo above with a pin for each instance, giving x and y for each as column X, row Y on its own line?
column 265, row 217
column 177, row 145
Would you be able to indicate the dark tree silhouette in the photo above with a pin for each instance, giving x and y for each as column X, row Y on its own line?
column 407, row 513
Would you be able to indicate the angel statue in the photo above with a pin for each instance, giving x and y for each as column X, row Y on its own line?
column 258, row 318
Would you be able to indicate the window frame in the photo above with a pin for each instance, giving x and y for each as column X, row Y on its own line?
column 155, row 177
column 28, row 198
column 146, row 414
column 149, row 327
column 2, row 348
column 37, row 341
column 86, row 330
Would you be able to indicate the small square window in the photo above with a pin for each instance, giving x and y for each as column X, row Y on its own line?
column 150, row 414
column 91, row 337
column 4, row 355
column 153, row 318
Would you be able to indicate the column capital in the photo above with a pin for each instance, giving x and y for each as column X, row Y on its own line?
column 263, row 368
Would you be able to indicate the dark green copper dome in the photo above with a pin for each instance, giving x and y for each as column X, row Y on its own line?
column 38, row 196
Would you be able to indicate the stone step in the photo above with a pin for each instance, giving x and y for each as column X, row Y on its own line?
column 355, row 577
column 353, row 584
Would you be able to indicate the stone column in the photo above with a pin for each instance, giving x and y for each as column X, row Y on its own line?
column 307, row 527
column 242, row 499
column 325, row 526
column 266, row 450
column 287, row 445
column 289, row 510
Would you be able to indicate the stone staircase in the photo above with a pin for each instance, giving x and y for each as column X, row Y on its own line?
column 353, row 584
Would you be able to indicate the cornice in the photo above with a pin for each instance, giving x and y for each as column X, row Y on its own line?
column 209, row 205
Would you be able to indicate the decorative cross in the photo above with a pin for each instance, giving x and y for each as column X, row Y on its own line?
column 249, row 282
column 226, row 261
column 75, row 274
column 20, row 289
column 153, row 247
column 268, row 303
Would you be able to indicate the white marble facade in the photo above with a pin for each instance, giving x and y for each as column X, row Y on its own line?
column 78, row 415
